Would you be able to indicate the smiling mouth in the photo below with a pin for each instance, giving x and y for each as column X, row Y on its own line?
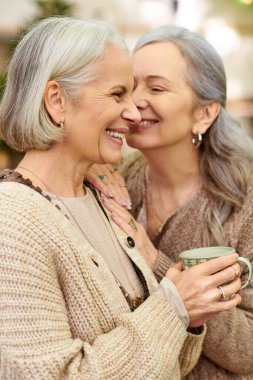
column 115, row 134
column 144, row 123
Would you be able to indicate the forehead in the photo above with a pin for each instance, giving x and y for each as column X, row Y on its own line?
column 161, row 58
column 114, row 65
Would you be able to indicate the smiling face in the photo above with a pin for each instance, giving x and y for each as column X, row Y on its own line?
column 162, row 96
column 96, row 125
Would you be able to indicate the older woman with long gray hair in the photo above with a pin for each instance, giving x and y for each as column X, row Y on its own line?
column 192, row 184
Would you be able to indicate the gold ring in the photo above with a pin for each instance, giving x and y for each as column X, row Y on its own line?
column 222, row 293
column 112, row 170
column 236, row 273
column 132, row 225
column 102, row 176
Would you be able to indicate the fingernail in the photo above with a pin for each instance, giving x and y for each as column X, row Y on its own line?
column 129, row 205
column 105, row 199
column 114, row 215
column 126, row 203
column 123, row 202
column 109, row 194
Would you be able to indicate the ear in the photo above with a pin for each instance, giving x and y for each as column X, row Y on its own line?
column 54, row 100
column 205, row 116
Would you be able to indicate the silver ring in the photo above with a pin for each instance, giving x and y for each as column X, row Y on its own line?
column 102, row 176
column 222, row 293
column 132, row 225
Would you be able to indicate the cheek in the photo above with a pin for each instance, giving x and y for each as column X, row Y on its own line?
column 107, row 113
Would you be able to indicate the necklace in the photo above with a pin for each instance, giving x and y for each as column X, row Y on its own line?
column 133, row 301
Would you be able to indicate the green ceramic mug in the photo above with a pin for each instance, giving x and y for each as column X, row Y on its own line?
column 197, row 256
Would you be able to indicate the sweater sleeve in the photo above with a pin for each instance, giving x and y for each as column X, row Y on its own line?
column 35, row 334
column 163, row 263
column 229, row 338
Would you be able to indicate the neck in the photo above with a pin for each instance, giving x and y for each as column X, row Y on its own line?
column 54, row 171
column 171, row 169
column 172, row 180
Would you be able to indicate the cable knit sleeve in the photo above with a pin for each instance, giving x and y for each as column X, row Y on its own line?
column 41, row 338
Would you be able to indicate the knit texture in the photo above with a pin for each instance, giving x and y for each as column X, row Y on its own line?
column 228, row 346
column 63, row 316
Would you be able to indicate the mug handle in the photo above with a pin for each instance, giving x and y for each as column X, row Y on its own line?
column 249, row 265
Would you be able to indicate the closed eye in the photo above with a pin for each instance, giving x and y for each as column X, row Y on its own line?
column 157, row 89
column 117, row 95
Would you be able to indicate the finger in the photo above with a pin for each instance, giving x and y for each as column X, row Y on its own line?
column 102, row 187
column 225, row 275
column 115, row 185
column 237, row 270
column 226, row 292
column 216, row 265
column 227, row 305
column 123, row 225
column 179, row 265
column 201, row 316
column 113, row 206
column 110, row 183
column 120, row 189
column 118, row 195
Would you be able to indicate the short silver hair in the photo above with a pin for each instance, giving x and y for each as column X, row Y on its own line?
column 226, row 154
column 57, row 48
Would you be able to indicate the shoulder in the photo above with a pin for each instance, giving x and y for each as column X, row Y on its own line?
column 21, row 207
column 16, row 193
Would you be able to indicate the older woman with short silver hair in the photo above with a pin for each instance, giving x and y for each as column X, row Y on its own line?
column 78, row 301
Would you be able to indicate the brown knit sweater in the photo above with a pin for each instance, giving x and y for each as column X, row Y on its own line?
column 63, row 316
column 228, row 346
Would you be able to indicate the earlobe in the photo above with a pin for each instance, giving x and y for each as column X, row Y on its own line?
column 205, row 116
column 54, row 101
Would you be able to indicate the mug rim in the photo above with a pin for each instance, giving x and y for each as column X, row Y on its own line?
column 194, row 253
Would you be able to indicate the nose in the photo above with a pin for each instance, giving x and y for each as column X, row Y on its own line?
column 131, row 112
column 139, row 100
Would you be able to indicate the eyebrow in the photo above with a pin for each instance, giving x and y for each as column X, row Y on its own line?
column 151, row 77
column 117, row 86
column 155, row 77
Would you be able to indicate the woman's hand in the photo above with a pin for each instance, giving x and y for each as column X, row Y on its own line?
column 109, row 182
column 199, row 290
column 132, row 228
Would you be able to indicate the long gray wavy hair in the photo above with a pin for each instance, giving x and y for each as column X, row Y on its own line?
column 226, row 154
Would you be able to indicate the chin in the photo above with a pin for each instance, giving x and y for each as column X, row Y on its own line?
column 134, row 143
column 111, row 158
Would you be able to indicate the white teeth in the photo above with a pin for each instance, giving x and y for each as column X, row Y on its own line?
column 146, row 122
column 118, row 135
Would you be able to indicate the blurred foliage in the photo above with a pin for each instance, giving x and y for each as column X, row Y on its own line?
column 245, row 3
column 46, row 8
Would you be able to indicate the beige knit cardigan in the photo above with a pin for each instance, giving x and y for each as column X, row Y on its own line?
column 228, row 345
column 63, row 316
